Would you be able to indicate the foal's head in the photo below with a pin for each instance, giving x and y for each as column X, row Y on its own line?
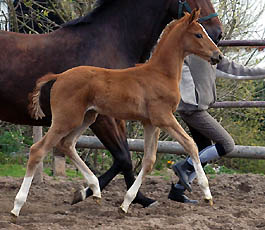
column 196, row 40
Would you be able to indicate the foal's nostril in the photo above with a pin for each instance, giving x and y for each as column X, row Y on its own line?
column 216, row 57
column 214, row 61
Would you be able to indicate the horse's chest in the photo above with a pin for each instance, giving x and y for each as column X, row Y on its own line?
column 172, row 99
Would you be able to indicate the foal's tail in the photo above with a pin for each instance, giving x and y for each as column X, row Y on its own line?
column 34, row 97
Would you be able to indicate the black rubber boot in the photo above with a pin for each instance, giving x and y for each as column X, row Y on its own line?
column 177, row 194
column 183, row 169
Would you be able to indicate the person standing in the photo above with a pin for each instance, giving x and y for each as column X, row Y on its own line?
column 198, row 93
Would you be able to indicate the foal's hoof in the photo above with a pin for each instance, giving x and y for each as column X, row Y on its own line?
column 13, row 218
column 79, row 195
column 123, row 210
column 97, row 200
column 209, row 201
column 14, row 213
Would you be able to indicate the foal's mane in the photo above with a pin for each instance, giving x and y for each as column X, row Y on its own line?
column 99, row 5
column 166, row 32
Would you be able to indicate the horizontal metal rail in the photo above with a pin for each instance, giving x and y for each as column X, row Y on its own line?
column 240, row 151
column 247, row 43
column 239, row 104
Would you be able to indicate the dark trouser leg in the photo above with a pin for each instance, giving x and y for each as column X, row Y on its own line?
column 204, row 129
column 201, row 141
column 112, row 134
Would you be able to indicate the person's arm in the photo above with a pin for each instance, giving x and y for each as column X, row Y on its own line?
column 231, row 70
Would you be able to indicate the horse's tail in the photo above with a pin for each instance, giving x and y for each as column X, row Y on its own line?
column 34, row 97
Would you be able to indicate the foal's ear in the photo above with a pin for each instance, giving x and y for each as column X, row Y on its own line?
column 194, row 16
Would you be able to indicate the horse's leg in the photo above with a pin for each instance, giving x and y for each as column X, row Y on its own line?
column 151, row 135
column 61, row 127
column 67, row 146
column 174, row 129
column 37, row 153
column 112, row 134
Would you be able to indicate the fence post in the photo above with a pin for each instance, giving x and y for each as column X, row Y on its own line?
column 37, row 135
column 58, row 163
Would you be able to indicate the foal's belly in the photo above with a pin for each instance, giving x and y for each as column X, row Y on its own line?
column 123, row 113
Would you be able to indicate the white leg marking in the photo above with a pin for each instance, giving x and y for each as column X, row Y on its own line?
column 91, row 179
column 132, row 192
column 93, row 184
column 22, row 195
column 202, row 180
column 89, row 176
column 83, row 192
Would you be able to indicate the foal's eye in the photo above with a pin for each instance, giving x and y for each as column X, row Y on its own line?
column 199, row 35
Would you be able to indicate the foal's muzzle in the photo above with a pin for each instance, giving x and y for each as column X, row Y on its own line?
column 216, row 58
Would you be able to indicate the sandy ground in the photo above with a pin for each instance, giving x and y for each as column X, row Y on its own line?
column 239, row 204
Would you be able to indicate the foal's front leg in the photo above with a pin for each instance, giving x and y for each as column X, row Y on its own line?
column 151, row 135
column 174, row 129
column 111, row 132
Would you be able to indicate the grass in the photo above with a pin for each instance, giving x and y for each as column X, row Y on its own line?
column 69, row 173
column 13, row 170
column 164, row 173
column 16, row 170
column 73, row 173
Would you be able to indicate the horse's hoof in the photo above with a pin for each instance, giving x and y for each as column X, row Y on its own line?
column 123, row 210
column 97, row 200
column 13, row 218
column 144, row 201
column 209, row 201
column 154, row 204
column 79, row 195
column 14, row 213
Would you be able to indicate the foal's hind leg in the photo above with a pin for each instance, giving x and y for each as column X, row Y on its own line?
column 151, row 135
column 37, row 153
column 173, row 128
column 67, row 146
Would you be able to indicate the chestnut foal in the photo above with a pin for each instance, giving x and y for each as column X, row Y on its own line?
column 148, row 93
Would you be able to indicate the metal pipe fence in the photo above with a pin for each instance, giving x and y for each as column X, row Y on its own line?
column 240, row 151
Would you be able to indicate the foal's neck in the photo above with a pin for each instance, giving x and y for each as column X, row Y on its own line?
column 169, row 56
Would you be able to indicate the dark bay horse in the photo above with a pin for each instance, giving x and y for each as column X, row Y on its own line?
column 148, row 93
column 117, row 34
